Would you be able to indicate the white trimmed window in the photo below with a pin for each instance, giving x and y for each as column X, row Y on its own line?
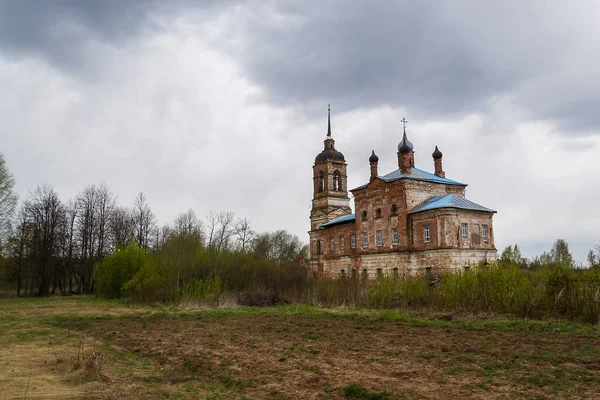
column 465, row 231
column 426, row 235
column 332, row 244
column 365, row 240
column 342, row 242
column 353, row 241
column 484, row 233
column 379, row 238
column 394, row 236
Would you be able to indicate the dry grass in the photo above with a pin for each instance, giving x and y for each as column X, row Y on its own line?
column 82, row 348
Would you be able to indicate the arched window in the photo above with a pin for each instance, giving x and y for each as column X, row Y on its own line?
column 394, row 209
column 378, row 213
column 337, row 181
column 318, row 247
column 321, row 181
column 364, row 214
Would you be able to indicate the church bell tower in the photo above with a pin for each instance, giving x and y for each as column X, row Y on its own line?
column 330, row 198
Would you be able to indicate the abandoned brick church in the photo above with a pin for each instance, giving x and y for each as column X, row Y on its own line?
column 407, row 221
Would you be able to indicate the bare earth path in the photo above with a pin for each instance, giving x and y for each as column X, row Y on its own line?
column 292, row 352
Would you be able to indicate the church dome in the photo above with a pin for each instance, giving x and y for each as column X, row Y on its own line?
column 437, row 154
column 373, row 157
column 329, row 155
column 405, row 146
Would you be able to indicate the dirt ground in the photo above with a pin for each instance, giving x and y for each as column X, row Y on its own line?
column 300, row 353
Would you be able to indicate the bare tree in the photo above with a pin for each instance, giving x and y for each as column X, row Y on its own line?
column 69, row 244
column 187, row 224
column 224, row 230
column 243, row 233
column 212, row 226
column 45, row 212
column 19, row 247
column 87, row 235
column 144, row 221
column 8, row 200
column 122, row 227
column 105, row 204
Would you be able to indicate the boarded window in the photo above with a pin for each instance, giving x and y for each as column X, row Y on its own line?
column 365, row 274
column 475, row 239
column 428, row 274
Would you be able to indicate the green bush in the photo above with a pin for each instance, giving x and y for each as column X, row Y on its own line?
column 203, row 291
column 117, row 268
column 146, row 285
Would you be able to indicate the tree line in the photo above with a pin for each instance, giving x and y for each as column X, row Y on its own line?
column 49, row 245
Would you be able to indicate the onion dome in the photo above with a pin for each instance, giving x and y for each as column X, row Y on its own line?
column 329, row 155
column 437, row 154
column 373, row 157
column 405, row 146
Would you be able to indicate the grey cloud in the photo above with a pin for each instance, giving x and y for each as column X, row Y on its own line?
column 435, row 59
column 415, row 54
column 72, row 34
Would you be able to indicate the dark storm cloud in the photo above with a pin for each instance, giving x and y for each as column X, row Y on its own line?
column 64, row 32
column 434, row 58
column 414, row 54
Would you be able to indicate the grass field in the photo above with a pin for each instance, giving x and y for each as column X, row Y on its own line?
column 80, row 347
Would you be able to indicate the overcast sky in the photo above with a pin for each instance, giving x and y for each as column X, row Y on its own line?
column 222, row 105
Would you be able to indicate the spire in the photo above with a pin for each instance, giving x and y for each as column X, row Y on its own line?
column 404, row 121
column 328, row 120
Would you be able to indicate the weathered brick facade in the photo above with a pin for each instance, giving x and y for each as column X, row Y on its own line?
column 406, row 222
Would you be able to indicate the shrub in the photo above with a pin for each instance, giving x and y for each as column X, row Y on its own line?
column 146, row 285
column 117, row 268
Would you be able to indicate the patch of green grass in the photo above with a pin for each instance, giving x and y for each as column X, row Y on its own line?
column 311, row 350
column 359, row 392
column 31, row 335
column 230, row 382
column 310, row 336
